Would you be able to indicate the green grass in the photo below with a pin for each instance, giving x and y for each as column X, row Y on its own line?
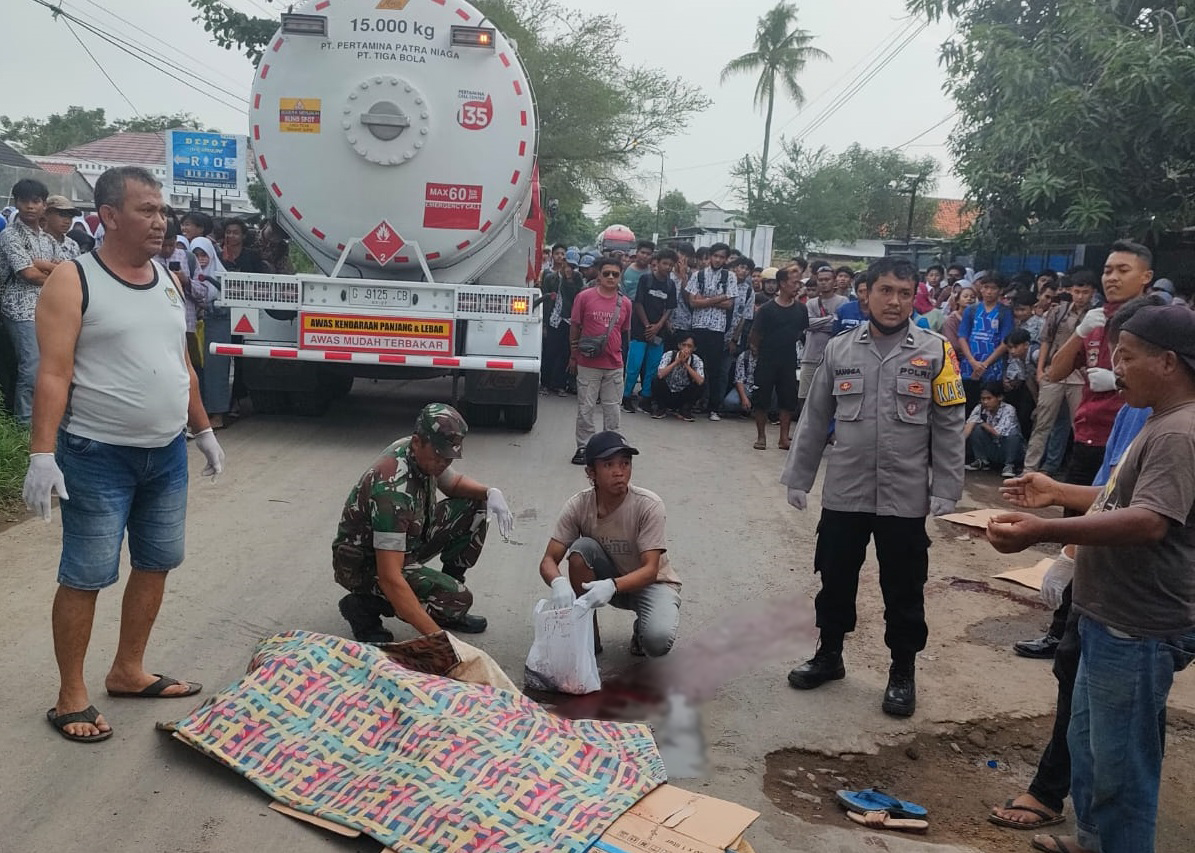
column 14, row 459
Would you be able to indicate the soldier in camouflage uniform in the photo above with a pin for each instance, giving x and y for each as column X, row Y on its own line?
column 392, row 524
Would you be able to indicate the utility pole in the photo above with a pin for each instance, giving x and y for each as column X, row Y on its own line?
column 916, row 180
column 660, row 198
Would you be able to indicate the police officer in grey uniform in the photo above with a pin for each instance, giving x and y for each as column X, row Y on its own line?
column 894, row 392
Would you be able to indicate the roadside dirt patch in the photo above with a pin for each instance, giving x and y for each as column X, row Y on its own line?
column 1000, row 632
column 953, row 777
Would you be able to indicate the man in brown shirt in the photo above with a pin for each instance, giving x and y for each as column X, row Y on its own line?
column 1134, row 588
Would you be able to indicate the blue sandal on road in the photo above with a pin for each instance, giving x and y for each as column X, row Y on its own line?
column 873, row 800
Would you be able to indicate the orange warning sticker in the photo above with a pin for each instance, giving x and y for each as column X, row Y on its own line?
column 299, row 115
column 397, row 335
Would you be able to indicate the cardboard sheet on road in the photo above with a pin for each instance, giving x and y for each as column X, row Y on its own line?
column 1031, row 577
column 977, row 518
column 673, row 820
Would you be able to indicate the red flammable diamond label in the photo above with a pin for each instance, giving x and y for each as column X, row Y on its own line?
column 383, row 242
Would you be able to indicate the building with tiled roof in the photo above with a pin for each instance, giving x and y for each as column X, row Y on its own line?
column 953, row 217
column 10, row 156
column 148, row 150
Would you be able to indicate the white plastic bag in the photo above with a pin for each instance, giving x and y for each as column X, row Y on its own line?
column 561, row 657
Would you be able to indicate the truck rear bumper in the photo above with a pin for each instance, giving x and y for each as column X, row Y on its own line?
column 465, row 362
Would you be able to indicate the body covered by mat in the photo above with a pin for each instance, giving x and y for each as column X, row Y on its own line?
column 337, row 729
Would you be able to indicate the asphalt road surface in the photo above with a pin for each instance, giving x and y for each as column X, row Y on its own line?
column 258, row 563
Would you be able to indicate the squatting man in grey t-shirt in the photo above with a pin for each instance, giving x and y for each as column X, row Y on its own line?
column 611, row 538
column 1134, row 586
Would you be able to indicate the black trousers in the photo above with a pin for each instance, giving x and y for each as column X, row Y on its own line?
column 8, row 370
column 553, row 372
column 972, row 388
column 665, row 398
column 710, row 349
column 1053, row 780
column 902, row 548
column 1086, row 460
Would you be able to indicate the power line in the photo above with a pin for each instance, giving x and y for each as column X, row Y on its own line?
column 890, row 40
column 87, row 50
column 859, row 84
column 155, row 39
column 870, row 57
column 927, row 132
column 132, row 50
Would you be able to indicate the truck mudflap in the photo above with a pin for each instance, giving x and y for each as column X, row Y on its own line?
column 463, row 362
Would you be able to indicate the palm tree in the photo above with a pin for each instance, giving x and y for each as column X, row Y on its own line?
column 781, row 51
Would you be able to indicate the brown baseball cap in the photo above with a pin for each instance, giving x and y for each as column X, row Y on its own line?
column 61, row 204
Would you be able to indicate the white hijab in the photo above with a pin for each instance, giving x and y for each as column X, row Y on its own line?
column 214, row 268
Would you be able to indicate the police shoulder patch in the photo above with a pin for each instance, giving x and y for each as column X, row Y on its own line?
column 948, row 384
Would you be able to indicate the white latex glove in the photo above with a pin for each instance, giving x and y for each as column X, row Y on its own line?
column 41, row 481
column 1092, row 320
column 496, row 505
column 212, row 452
column 940, row 506
column 562, row 594
column 798, row 499
column 1101, row 379
column 1060, row 573
column 597, row 594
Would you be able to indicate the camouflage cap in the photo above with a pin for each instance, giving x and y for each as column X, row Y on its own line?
column 444, row 427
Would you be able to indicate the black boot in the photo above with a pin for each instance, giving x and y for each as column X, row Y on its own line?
column 364, row 614
column 825, row 665
column 465, row 624
column 900, row 697
column 1042, row 648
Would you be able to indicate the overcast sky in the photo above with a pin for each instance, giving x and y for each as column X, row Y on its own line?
column 689, row 38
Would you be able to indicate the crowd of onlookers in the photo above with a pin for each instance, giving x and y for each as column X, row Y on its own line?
column 38, row 231
column 690, row 342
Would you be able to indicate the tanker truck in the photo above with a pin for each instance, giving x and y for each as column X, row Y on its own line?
column 397, row 139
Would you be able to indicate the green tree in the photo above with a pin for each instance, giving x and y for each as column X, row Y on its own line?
column 637, row 215
column 597, row 120
column 782, row 49
column 57, row 132
column 675, row 211
column 77, row 126
column 232, row 29
column 817, row 197
column 572, row 227
column 1075, row 113
column 156, row 123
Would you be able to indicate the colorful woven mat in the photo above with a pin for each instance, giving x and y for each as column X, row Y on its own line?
column 336, row 729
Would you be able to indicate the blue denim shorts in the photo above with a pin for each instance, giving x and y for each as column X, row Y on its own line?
column 112, row 488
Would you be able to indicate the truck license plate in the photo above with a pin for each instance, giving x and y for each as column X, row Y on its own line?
column 380, row 297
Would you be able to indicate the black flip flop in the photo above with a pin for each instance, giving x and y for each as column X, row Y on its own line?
column 87, row 715
column 1047, row 819
column 1058, row 847
column 156, row 690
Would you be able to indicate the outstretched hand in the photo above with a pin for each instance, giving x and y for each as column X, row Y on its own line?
column 1014, row 531
column 1031, row 491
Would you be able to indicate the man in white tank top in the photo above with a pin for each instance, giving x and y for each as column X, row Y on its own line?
column 115, row 392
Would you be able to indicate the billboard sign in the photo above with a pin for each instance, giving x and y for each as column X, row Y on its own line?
column 214, row 161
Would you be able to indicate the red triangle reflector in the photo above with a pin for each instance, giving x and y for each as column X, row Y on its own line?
column 509, row 339
column 244, row 327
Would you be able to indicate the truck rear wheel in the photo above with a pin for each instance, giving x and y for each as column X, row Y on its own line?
column 310, row 402
column 267, row 401
column 482, row 414
column 522, row 418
